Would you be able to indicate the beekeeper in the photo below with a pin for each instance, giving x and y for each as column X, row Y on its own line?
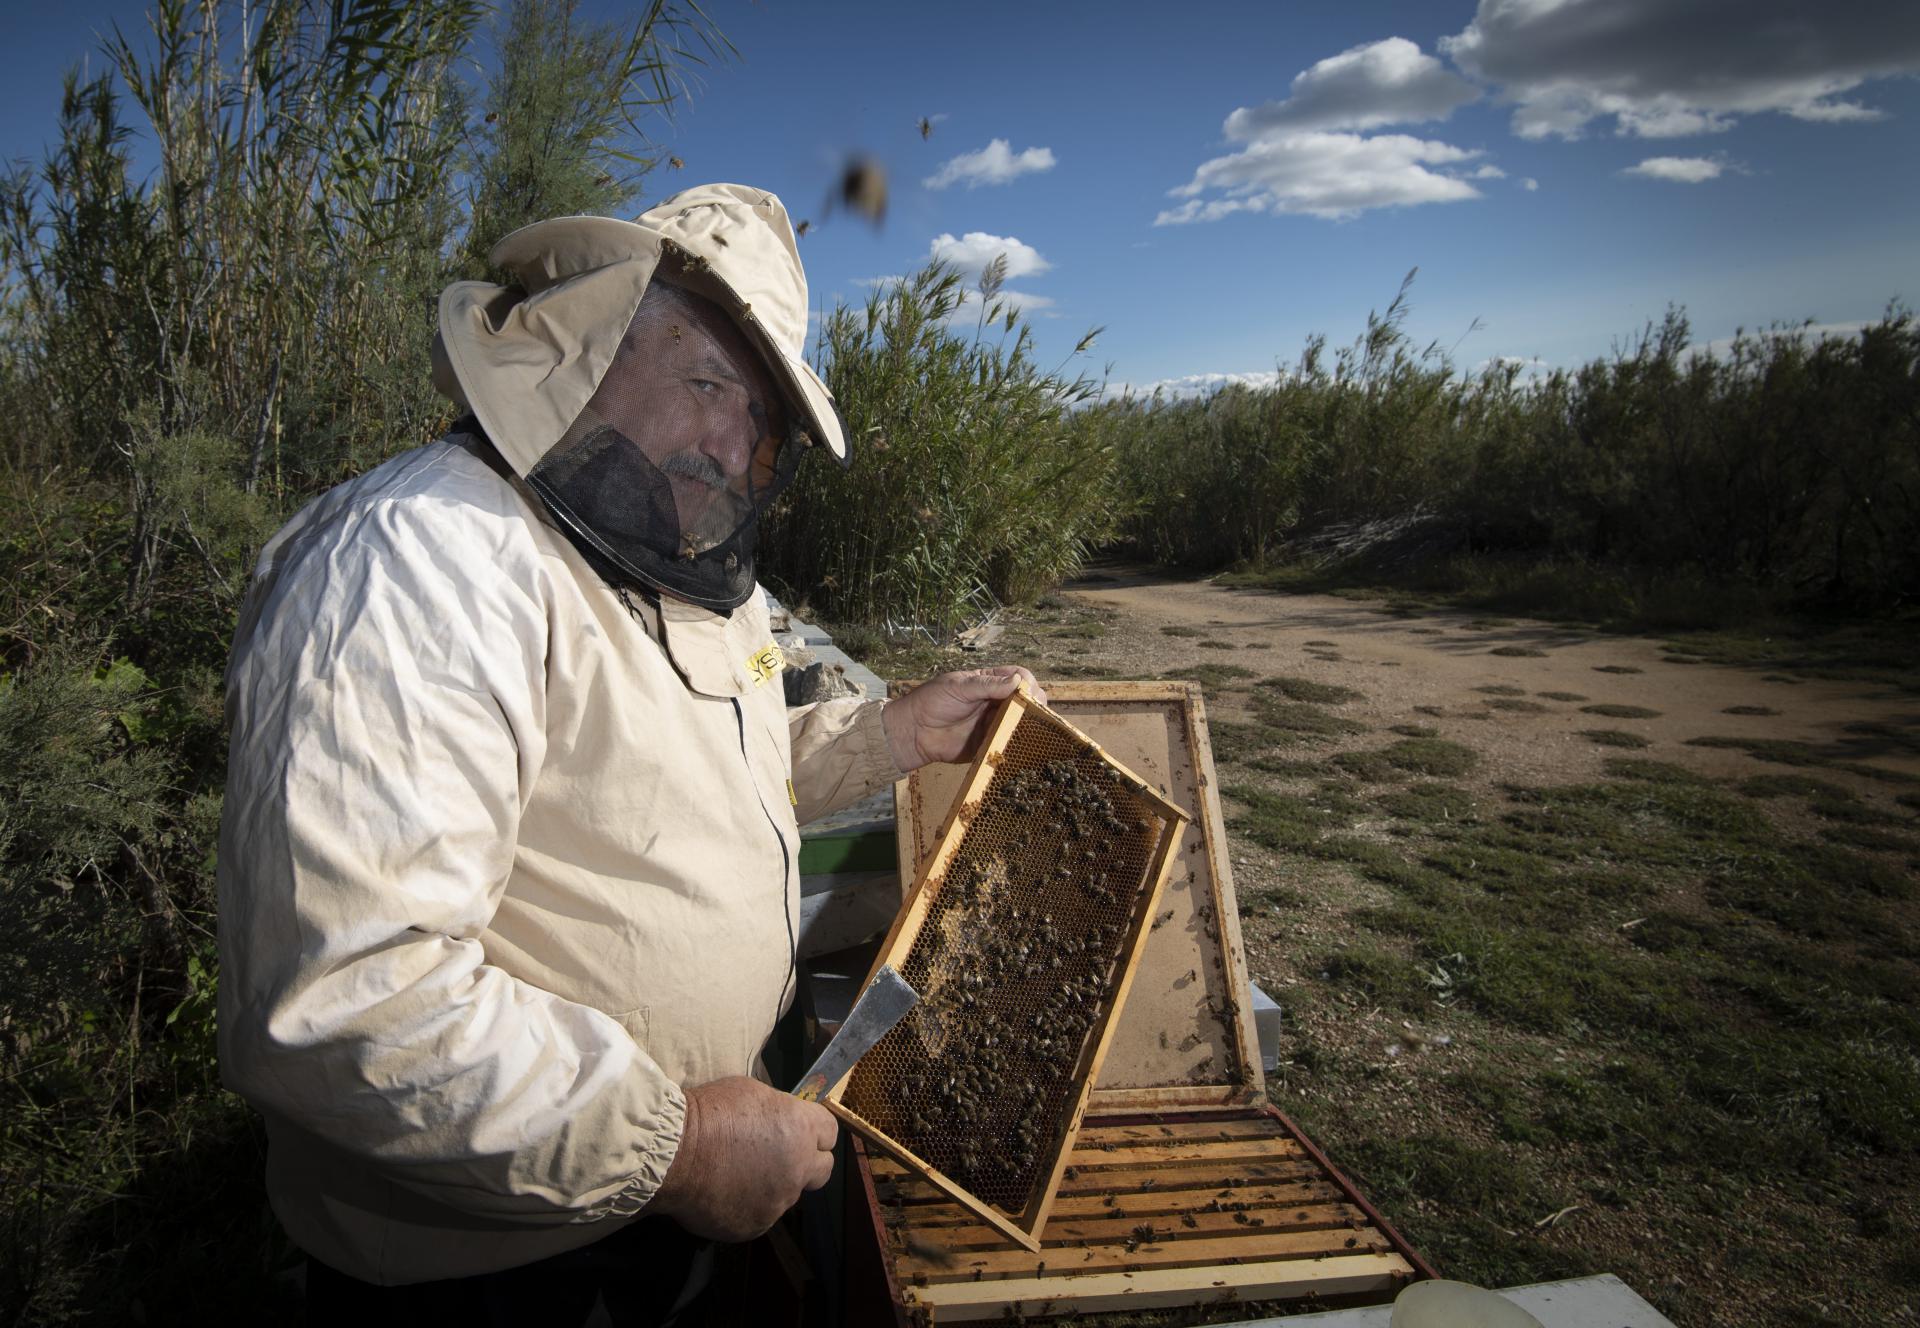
column 509, row 863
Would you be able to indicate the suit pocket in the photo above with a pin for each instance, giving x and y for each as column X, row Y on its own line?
column 635, row 1022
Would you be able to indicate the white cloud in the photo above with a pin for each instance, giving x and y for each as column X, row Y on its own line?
column 1681, row 170
column 1385, row 82
column 1487, row 172
column 1666, row 68
column 1304, row 155
column 1188, row 386
column 996, row 163
column 877, row 283
column 1322, row 174
column 1530, row 184
column 973, row 251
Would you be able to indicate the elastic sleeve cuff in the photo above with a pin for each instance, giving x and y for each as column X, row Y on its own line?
column 654, row 1155
column 877, row 768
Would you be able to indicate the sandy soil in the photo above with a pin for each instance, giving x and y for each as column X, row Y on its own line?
column 1436, row 660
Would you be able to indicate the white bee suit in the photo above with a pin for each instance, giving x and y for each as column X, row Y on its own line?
column 508, row 858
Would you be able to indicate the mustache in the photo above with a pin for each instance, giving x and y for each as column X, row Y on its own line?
column 695, row 465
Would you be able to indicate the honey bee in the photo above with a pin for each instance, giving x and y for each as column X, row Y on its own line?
column 926, row 127
column 675, row 162
column 863, row 188
column 800, row 230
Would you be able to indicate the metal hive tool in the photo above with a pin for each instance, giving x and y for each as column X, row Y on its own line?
column 1022, row 935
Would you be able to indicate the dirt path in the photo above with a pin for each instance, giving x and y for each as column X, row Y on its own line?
column 1515, row 1147
column 1438, row 659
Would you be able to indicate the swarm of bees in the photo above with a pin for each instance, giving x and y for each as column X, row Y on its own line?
column 1014, row 961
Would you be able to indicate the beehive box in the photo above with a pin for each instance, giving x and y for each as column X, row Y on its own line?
column 1021, row 937
column 1184, row 1186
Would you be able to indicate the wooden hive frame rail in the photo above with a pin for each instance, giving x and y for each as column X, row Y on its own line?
column 1159, row 829
column 1179, row 1210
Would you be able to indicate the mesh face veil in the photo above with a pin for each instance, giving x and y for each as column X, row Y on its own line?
column 683, row 446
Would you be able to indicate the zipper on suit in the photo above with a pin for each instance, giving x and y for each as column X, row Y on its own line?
column 786, row 862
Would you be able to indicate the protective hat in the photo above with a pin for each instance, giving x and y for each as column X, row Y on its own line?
column 651, row 469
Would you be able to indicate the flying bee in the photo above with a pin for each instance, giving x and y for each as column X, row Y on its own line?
column 800, row 230
column 675, row 162
column 926, row 127
column 863, row 189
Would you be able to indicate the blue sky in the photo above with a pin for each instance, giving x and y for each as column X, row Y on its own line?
column 1213, row 183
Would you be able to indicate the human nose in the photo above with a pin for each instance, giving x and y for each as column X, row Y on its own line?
column 734, row 435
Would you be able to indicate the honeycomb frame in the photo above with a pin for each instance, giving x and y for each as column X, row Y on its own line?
column 1022, row 933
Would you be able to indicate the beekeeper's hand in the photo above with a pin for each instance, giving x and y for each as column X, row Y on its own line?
column 945, row 718
column 746, row 1154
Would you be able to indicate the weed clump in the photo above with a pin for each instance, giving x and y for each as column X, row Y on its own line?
column 1430, row 756
column 1518, row 652
column 1615, row 738
column 1429, row 804
column 1210, row 675
column 1612, row 711
column 1791, row 786
column 1653, row 772
column 1311, row 692
column 1297, row 721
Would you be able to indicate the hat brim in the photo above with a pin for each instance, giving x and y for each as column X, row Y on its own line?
column 801, row 385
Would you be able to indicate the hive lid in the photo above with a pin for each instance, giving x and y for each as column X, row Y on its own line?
column 1185, row 1037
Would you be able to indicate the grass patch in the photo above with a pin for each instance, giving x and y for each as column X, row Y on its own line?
column 1430, row 756
column 1378, row 975
column 1429, row 804
column 1210, row 675
column 1295, row 721
column 1372, row 767
column 1217, row 645
column 1073, row 670
column 1414, row 730
column 1790, row 786
column 1615, row 738
column 1653, row 772
column 1517, row 705
column 1749, row 710
column 1891, row 735
column 1518, row 652
column 1314, row 693
column 1616, row 668
column 1611, row 711
column 1561, row 696
column 1501, row 689
column 1870, row 838
column 1083, row 631
column 1177, row 630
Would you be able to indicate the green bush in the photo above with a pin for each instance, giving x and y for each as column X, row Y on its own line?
column 1659, row 484
column 972, row 482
